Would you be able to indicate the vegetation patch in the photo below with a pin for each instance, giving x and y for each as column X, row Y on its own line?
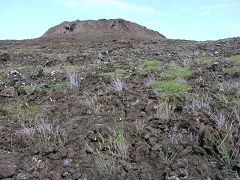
column 20, row 68
column 96, row 65
column 207, row 59
column 149, row 66
column 232, row 70
column 190, row 45
column 60, row 85
column 174, row 72
column 22, row 112
column 170, row 88
column 235, row 59
column 120, row 73
column 30, row 88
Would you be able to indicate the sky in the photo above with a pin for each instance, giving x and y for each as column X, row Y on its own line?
column 176, row 19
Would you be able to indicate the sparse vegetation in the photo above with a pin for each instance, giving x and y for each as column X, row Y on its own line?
column 91, row 101
column 164, row 109
column 232, row 70
column 149, row 66
column 31, row 88
column 42, row 132
column 117, row 149
column 235, row 59
column 167, row 156
column 60, row 85
column 120, row 73
column 227, row 153
column 170, row 88
column 22, row 112
column 60, row 110
column 208, row 59
column 176, row 72
column 118, row 84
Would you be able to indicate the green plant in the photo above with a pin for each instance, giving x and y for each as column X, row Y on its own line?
column 235, row 59
column 18, row 67
column 106, row 75
column 105, row 162
column 22, row 112
column 163, row 109
column 30, row 88
column 91, row 101
column 96, row 65
column 170, row 88
column 42, row 132
column 167, row 156
column 121, row 73
column 149, row 66
column 220, row 96
column 227, row 152
column 174, row 72
column 232, row 70
column 116, row 148
column 119, row 145
column 60, row 85
column 207, row 59
column 190, row 45
column 236, row 108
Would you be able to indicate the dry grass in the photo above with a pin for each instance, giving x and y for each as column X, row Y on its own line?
column 91, row 101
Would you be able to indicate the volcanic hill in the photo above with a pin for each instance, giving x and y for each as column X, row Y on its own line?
column 116, row 28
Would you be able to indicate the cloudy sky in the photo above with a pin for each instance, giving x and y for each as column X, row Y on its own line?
column 176, row 19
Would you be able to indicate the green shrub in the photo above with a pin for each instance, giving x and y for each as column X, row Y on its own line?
column 96, row 65
column 208, row 59
column 232, row 70
column 235, row 59
column 21, row 112
column 30, row 88
column 60, row 85
column 121, row 73
column 170, row 88
column 149, row 66
column 173, row 72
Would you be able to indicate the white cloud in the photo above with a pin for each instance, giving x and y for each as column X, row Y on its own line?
column 114, row 4
column 207, row 7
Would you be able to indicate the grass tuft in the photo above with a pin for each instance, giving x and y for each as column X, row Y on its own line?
column 232, row 70
column 149, row 66
column 208, row 59
column 170, row 88
column 176, row 72
column 235, row 59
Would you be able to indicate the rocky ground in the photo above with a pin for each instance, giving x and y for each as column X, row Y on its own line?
column 115, row 109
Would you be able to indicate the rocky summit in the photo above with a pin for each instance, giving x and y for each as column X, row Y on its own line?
column 125, row 103
column 92, row 29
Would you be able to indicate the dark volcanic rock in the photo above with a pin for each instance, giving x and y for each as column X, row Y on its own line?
column 8, row 164
column 4, row 57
